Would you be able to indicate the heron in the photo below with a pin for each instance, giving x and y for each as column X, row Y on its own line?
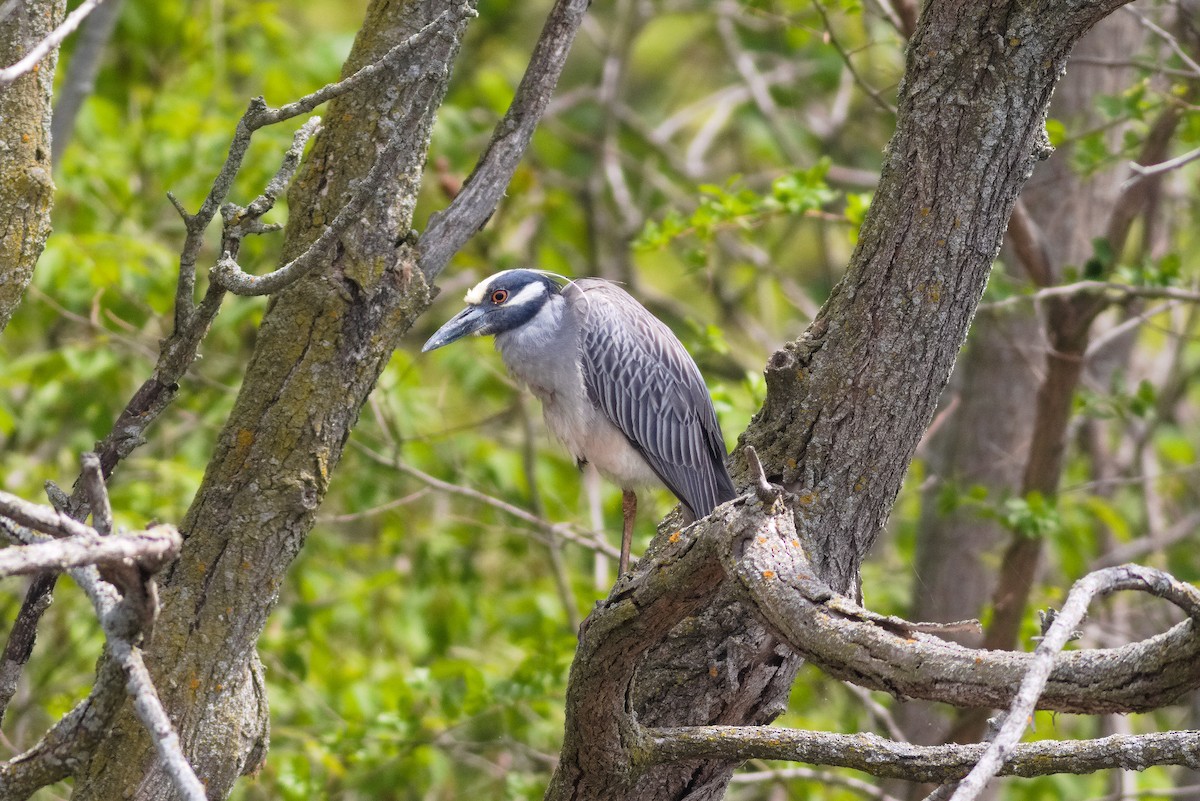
column 617, row 387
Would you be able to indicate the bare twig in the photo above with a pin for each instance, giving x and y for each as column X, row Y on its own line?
column 46, row 45
column 823, row 777
column 1116, row 291
column 871, row 91
column 150, row 549
column 41, row 518
column 1167, row 37
column 93, row 485
column 52, row 757
column 1165, row 166
column 149, row 710
column 884, row 758
column 230, row 276
column 1016, row 720
column 590, row 541
column 450, row 228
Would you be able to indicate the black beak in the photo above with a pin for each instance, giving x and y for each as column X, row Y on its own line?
column 468, row 321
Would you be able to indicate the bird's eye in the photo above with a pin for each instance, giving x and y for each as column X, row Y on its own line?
column 499, row 296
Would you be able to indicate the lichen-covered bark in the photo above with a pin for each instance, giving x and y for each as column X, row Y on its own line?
column 848, row 401
column 26, row 188
column 322, row 345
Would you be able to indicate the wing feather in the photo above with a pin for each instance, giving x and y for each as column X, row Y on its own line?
column 640, row 375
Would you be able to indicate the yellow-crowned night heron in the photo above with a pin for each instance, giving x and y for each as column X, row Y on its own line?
column 617, row 387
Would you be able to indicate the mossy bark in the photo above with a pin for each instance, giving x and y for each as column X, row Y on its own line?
column 322, row 345
column 26, row 188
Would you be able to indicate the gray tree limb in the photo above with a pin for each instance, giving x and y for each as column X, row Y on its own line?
column 449, row 229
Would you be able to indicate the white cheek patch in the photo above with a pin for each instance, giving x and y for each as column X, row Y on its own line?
column 528, row 294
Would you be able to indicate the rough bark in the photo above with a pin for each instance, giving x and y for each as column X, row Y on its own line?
column 848, row 401
column 26, row 188
column 322, row 345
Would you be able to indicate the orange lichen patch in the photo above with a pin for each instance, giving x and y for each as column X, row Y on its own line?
column 925, row 211
column 807, row 498
column 762, row 540
column 795, row 543
column 791, row 463
column 674, row 538
column 768, row 574
column 194, row 683
column 245, row 438
column 712, row 671
column 25, row 138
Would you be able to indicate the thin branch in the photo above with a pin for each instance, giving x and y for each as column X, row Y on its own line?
column 232, row 278
column 79, row 78
column 149, row 710
column 97, row 494
column 871, row 91
column 22, row 637
column 884, row 758
column 591, row 541
column 823, row 777
column 1016, row 720
column 450, row 228
column 41, row 518
column 1117, row 291
column 1165, row 166
column 52, row 758
column 1167, row 37
column 42, row 48
column 149, row 549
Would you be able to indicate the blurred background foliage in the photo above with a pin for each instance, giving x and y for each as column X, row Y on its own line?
column 714, row 157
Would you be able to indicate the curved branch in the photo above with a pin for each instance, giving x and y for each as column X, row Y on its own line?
column 1016, row 720
column 852, row 644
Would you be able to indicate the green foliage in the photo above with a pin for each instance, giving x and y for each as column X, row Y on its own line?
column 421, row 646
column 732, row 207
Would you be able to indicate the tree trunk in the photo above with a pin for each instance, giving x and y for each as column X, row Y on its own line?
column 26, row 188
column 848, row 402
column 322, row 345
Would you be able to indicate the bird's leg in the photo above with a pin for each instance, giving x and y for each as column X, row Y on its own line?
column 628, row 513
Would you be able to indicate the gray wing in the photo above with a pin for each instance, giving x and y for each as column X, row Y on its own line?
column 639, row 374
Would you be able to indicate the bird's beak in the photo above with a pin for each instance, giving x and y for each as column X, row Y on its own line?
column 468, row 321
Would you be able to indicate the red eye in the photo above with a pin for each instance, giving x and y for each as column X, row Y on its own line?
column 499, row 296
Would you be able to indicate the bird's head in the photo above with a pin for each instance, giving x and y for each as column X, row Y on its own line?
column 500, row 303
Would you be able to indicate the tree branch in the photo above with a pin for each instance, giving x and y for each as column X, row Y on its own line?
column 888, row 759
column 47, row 44
column 1102, row 582
column 450, row 228
column 71, row 740
column 149, row 549
column 879, row 653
